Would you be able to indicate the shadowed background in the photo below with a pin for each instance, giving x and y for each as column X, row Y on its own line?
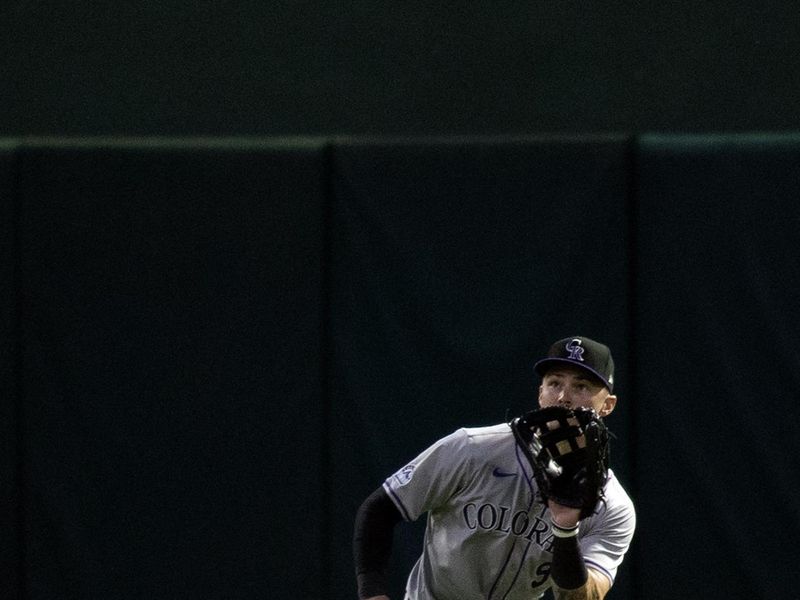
column 256, row 256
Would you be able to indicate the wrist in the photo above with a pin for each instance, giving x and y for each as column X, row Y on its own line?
column 562, row 531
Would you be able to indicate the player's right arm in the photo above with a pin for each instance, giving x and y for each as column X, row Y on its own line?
column 424, row 483
column 372, row 544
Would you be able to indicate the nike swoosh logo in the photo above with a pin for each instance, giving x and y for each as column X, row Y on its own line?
column 498, row 473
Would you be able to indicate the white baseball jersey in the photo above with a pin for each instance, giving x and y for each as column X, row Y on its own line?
column 488, row 537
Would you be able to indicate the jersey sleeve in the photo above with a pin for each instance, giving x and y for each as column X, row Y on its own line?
column 608, row 538
column 432, row 478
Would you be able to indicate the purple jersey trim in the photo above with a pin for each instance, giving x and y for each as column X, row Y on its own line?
column 396, row 499
column 600, row 568
column 521, row 463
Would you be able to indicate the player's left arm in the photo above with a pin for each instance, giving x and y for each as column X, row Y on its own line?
column 572, row 579
column 595, row 588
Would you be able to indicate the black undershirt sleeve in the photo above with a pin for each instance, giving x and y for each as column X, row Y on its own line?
column 568, row 570
column 372, row 543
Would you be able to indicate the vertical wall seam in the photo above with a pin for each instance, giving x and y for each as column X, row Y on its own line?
column 633, row 264
column 326, row 357
column 21, row 480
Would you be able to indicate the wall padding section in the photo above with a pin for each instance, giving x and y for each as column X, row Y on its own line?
column 455, row 265
column 171, row 354
column 717, row 354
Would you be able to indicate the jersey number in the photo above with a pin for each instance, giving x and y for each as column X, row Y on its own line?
column 544, row 571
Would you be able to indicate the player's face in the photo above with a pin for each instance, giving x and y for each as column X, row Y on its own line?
column 572, row 387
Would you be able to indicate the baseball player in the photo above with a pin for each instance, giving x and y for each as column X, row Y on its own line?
column 512, row 509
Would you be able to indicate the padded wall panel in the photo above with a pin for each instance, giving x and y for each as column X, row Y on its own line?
column 455, row 264
column 171, row 350
column 717, row 364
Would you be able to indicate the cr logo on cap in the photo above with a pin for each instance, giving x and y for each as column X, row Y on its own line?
column 575, row 349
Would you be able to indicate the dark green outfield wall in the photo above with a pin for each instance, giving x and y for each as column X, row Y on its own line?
column 212, row 350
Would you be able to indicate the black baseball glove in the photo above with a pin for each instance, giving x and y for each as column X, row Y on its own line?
column 568, row 450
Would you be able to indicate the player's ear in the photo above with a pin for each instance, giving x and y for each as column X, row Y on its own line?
column 608, row 405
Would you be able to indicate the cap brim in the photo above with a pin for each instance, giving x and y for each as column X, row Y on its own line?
column 544, row 365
